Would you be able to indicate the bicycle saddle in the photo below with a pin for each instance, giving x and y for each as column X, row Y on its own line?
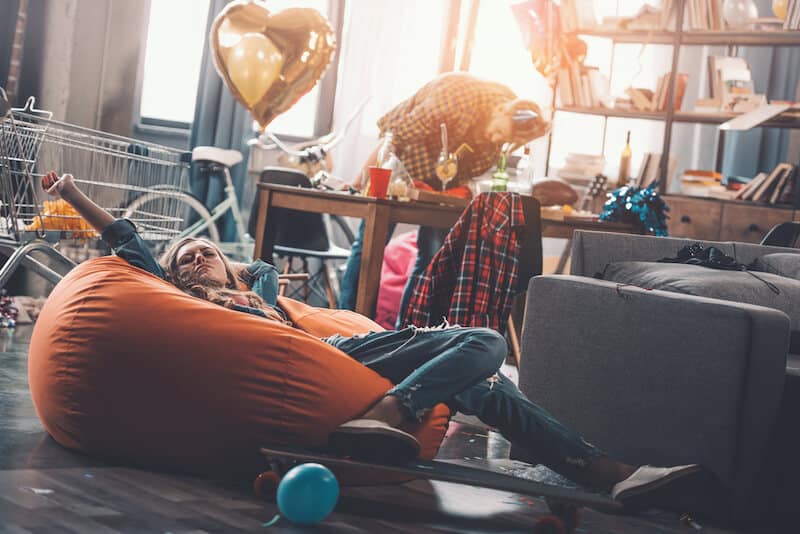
column 229, row 158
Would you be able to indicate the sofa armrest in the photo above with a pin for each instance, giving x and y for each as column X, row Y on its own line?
column 657, row 377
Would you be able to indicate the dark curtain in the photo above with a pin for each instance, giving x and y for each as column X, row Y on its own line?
column 7, row 23
column 222, row 122
column 776, row 72
column 29, row 82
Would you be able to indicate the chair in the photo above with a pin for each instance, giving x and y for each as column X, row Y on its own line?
column 784, row 234
column 302, row 235
column 530, row 265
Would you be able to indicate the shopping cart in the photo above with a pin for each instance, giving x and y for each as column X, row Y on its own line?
column 112, row 170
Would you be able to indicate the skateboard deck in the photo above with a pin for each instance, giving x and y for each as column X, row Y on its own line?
column 459, row 474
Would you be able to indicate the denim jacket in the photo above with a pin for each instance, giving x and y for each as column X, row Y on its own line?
column 121, row 236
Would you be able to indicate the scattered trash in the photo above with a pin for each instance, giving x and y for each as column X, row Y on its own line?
column 271, row 521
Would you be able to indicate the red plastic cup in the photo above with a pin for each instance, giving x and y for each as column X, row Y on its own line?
column 379, row 182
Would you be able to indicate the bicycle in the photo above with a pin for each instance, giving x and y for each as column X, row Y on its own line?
column 215, row 163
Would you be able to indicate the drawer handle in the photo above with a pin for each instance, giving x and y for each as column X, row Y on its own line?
column 753, row 228
column 686, row 219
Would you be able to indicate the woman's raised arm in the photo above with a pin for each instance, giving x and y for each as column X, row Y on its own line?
column 65, row 188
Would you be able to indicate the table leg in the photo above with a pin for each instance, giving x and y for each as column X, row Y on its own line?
column 562, row 261
column 265, row 232
column 376, row 228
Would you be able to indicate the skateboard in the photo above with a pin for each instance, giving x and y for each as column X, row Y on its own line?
column 562, row 502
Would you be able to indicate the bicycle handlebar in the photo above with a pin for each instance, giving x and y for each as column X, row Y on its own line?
column 317, row 150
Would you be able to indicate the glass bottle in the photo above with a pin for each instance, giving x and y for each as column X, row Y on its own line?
column 386, row 150
column 400, row 183
column 625, row 163
column 500, row 176
column 525, row 167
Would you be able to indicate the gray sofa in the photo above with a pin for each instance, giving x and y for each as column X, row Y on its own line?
column 659, row 377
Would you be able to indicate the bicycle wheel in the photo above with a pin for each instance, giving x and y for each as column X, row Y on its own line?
column 165, row 214
column 345, row 228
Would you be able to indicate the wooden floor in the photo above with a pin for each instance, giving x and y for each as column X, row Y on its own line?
column 45, row 488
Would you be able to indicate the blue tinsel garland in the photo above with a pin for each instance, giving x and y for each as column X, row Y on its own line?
column 634, row 205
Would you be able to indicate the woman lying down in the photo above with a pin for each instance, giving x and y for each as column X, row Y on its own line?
column 450, row 364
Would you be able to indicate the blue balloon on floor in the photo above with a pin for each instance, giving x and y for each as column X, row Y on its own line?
column 307, row 493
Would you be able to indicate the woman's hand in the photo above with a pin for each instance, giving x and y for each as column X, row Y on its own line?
column 240, row 271
column 56, row 186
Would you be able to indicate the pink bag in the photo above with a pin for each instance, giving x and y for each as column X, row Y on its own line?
column 398, row 262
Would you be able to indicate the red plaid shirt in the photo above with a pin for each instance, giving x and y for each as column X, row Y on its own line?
column 471, row 280
column 465, row 104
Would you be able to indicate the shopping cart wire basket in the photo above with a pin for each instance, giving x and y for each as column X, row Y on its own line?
column 112, row 170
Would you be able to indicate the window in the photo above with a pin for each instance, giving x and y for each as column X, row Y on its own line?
column 174, row 52
column 499, row 53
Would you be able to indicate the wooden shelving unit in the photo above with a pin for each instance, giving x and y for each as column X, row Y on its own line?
column 679, row 116
column 678, row 39
column 695, row 37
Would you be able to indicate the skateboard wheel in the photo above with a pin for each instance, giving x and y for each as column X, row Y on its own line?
column 568, row 513
column 266, row 484
column 549, row 524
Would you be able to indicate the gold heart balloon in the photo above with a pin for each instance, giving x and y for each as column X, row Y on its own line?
column 268, row 61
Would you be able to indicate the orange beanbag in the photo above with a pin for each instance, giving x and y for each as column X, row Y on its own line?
column 125, row 366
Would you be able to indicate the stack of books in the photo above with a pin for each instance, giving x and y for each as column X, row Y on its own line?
column 777, row 187
column 647, row 18
column 703, row 15
column 792, row 20
column 647, row 100
column 582, row 86
column 648, row 172
column 730, row 84
column 580, row 170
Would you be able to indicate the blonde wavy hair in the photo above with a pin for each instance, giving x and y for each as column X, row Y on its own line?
column 222, row 295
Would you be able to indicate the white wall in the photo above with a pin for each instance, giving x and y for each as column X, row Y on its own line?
column 91, row 55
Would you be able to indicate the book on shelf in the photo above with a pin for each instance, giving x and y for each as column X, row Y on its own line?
column 764, row 191
column 747, row 191
column 659, row 101
column 582, row 86
column 776, row 187
column 730, row 81
column 647, row 18
column 641, row 98
column 649, row 169
column 669, row 14
column 780, row 185
column 788, row 194
column 704, row 15
column 731, row 68
column 792, row 20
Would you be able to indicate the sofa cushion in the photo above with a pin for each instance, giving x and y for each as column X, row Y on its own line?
column 781, row 263
column 759, row 288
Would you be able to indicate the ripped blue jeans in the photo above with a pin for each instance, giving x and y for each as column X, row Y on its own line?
column 459, row 366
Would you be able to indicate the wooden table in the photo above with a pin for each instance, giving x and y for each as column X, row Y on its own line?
column 378, row 215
